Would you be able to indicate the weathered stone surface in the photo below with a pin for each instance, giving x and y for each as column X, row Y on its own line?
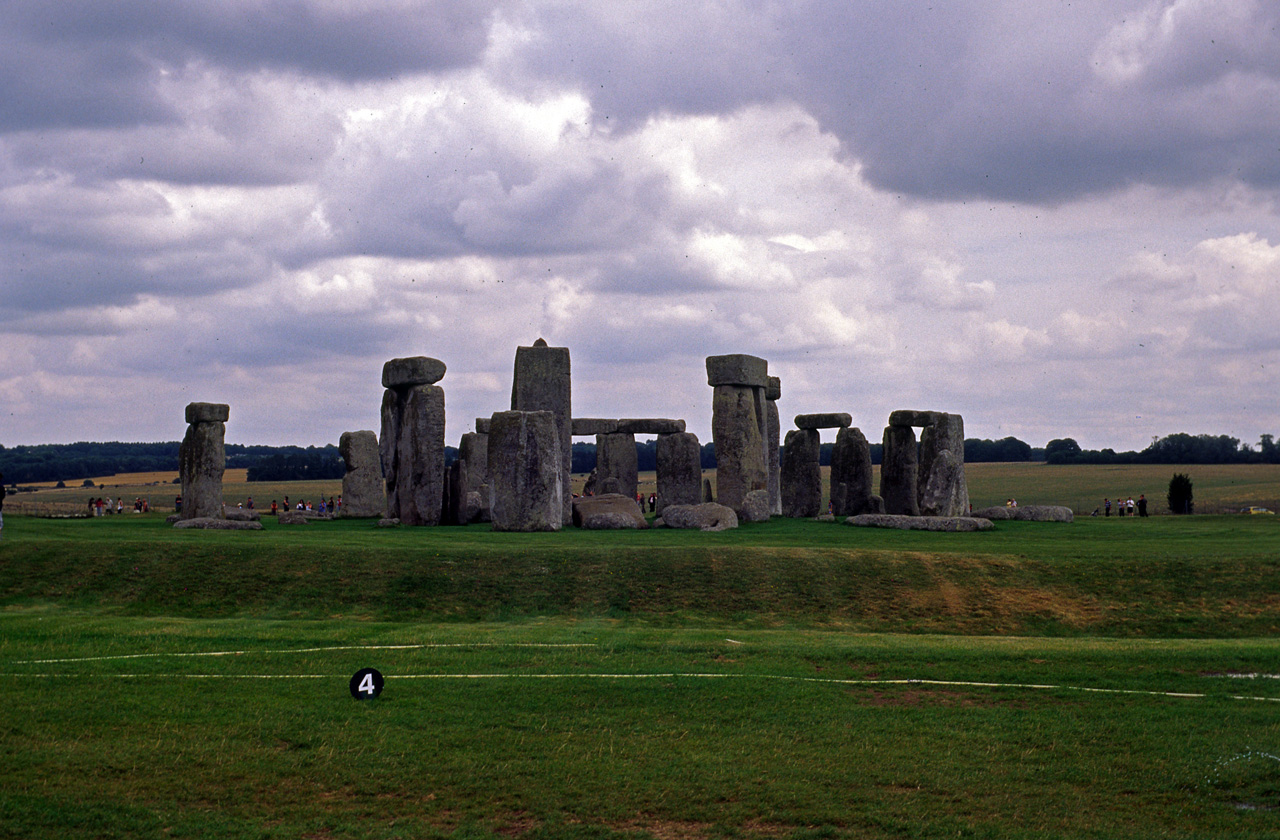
column 898, row 470
column 679, row 465
column 1028, row 513
column 773, row 454
column 801, row 474
column 920, row 523
column 214, row 524
column 241, row 515
column 411, row 371
column 525, row 471
column 829, row 420
column 737, row 429
column 467, row 475
column 412, row 452
column 650, row 426
column 610, row 486
column 773, row 388
column 292, row 517
column 907, row 417
column 543, row 382
column 389, row 522
column 942, row 488
column 364, row 493
column 851, row 476
column 610, row 521
column 616, row 458
column 482, row 425
column 705, row 517
column 201, row 412
column 737, row 369
column 606, row 509
column 591, row 426
column 202, row 459
column 755, row 507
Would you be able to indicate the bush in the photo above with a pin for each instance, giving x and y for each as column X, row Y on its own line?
column 1180, row 497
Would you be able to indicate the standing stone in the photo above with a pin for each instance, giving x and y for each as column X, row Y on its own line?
column 773, row 440
column 943, row 490
column 679, row 465
column 363, row 492
column 741, row 462
column 851, row 476
column 739, row 425
column 525, row 471
column 542, row 382
column 898, row 471
column 411, row 446
column 801, row 474
column 470, row 494
column 202, row 459
column 616, row 458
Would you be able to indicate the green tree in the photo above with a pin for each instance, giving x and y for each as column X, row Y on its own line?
column 1180, row 496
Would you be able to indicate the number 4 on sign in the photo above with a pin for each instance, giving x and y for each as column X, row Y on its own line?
column 366, row 684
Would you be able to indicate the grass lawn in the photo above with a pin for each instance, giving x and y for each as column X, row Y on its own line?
column 1111, row 678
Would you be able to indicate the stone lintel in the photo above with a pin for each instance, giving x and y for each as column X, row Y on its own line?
column 830, row 420
column 651, row 426
column 202, row 412
column 588, row 426
column 914, row 418
column 482, row 425
column 737, row 369
column 410, row 371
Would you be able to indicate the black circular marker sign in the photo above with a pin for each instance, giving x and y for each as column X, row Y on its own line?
column 366, row 684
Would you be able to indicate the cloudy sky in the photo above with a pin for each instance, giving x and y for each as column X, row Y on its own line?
column 1055, row 218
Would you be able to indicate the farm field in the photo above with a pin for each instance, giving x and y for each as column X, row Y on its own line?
column 1219, row 488
column 790, row 679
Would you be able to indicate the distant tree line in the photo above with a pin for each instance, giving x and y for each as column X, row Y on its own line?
column 1178, row 448
column 78, row 461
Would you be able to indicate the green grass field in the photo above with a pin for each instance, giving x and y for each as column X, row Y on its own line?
column 791, row 679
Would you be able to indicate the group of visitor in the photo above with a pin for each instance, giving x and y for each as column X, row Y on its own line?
column 653, row 502
column 333, row 506
column 101, row 507
column 1126, row 507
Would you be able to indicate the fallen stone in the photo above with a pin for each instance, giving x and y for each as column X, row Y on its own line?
column 1028, row 513
column 705, row 517
column 830, row 420
column 610, row 522
column 389, row 522
column 414, row 370
column 613, row 504
column 738, row 369
column 919, row 523
column 241, row 515
column 292, row 517
column 209, row 523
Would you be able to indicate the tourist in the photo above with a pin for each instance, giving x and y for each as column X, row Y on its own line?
column 1106, row 504
column 1130, row 505
column 177, row 504
column 1142, row 505
column 653, row 502
column 250, row 503
column 275, row 511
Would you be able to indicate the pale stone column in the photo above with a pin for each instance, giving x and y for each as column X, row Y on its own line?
column 525, row 486
column 543, row 382
column 363, row 491
column 202, row 459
